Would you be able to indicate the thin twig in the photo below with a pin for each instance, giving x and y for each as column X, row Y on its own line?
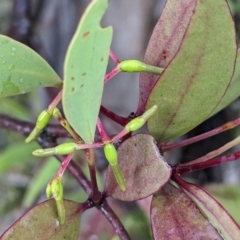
column 25, row 128
column 113, row 116
column 51, row 132
column 107, row 211
column 182, row 168
column 227, row 126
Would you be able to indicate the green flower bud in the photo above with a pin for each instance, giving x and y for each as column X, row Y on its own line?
column 56, row 112
column 42, row 121
column 55, row 189
column 119, row 176
column 112, row 157
column 110, row 153
column 132, row 66
column 138, row 122
column 49, row 191
column 65, row 148
column 135, row 124
column 62, row 149
column 138, row 66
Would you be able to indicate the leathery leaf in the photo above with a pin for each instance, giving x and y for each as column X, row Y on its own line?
column 197, row 78
column 85, row 65
column 23, row 70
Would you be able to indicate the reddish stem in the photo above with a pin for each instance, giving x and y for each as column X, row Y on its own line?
column 90, row 155
column 114, row 57
column 114, row 220
column 55, row 102
column 102, row 131
column 64, row 164
column 224, row 127
column 182, row 168
column 111, row 74
column 113, row 116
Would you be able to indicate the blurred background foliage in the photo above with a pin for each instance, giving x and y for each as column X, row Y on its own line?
column 47, row 27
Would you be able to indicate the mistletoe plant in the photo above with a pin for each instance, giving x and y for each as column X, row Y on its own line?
column 190, row 72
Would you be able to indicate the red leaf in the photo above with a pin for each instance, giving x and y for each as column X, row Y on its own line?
column 212, row 209
column 175, row 216
column 41, row 222
column 144, row 169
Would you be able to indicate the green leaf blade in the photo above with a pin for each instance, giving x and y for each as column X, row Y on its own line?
column 197, row 78
column 164, row 43
column 85, row 65
column 23, row 70
column 233, row 90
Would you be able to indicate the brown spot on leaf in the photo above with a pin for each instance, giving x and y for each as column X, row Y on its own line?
column 83, row 74
column 72, row 78
column 81, row 85
column 164, row 54
column 73, row 89
column 85, row 34
column 101, row 59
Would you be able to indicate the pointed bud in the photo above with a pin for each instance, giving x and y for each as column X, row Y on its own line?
column 42, row 121
column 138, row 122
column 112, row 157
column 62, row 149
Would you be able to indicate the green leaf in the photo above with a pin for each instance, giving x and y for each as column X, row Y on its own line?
column 85, row 65
column 16, row 154
column 214, row 211
column 144, row 169
column 175, row 216
column 196, row 79
column 233, row 90
column 14, row 108
column 22, row 69
column 41, row 223
column 164, row 43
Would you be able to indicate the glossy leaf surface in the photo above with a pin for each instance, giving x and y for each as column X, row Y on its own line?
column 233, row 90
column 175, row 216
column 41, row 223
column 213, row 210
column 196, row 79
column 144, row 169
column 164, row 43
column 85, row 65
column 22, row 69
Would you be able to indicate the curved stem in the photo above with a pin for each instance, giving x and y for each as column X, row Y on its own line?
column 215, row 153
column 107, row 211
column 113, row 116
column 224, row 127
column 182, row 168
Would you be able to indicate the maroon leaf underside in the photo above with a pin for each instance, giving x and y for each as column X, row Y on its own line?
column 165, row 42
column 41, row 222
column 212, row 209
column 144, row 169
column 175, row 216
